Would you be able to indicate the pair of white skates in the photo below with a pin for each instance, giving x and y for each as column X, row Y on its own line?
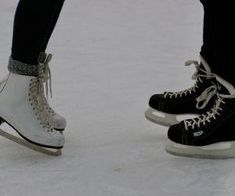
column 24, row 107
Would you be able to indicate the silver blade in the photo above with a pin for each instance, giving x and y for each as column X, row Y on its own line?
column 31, row 146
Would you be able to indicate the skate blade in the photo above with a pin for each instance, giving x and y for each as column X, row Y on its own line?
column 37, row 148
column 160, row 118
column 166, row 119
column 221, row 150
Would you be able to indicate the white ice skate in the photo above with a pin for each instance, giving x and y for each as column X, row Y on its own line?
column 21, row 107
column 58, row 121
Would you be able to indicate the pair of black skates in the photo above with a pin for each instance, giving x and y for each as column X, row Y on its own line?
column 210, row 133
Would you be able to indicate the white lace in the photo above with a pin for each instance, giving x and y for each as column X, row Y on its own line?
column 3, row 83
column 196, row 76
column 45, row 76
column 37, row 104
column 45, row 73
column 204, row 118
column 206, row 96
column 47, row 106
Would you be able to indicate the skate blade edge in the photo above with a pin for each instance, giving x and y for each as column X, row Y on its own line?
column 220, row 150
column 2, row 120
column 166, row 119
column 160, row 118
column 30, row 145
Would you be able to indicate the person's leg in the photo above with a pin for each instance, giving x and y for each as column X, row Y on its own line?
column 218, row 38
column 210, row 134
column 52, row 25
column 173, row 104
column 33, row 25
column 224, row 52
column 22, row 103
column 208, row 44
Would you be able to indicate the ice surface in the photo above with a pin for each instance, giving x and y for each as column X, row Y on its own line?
column 109, row 57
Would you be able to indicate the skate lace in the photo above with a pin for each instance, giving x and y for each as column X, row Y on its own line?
column 37, row 104
column 3, row 83
column 45, row 73
column 45, row 76
column 196, row 76
column 205, row 118
column 206, row 96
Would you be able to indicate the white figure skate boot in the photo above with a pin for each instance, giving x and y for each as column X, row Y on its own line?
column 58, row 121
column 22, row 108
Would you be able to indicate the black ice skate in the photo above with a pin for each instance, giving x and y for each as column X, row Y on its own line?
column 165, row 108
column 210, row 135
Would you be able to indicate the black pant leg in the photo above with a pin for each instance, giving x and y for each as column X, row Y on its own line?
column 52, row 25
column 218, row 38
column 33, row 25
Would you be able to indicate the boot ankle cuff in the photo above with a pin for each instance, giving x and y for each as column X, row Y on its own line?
column 20, row 68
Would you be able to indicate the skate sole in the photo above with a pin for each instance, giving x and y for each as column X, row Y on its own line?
column 29, row 143
column 221, row 150
column 165, row 119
